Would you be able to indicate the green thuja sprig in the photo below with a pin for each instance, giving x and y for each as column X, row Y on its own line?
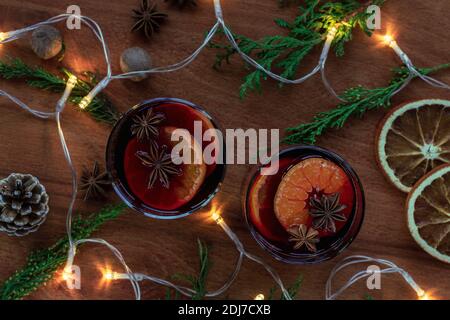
column 42, row 265
column 308, row 30
column 101, row 108
column 198, row 283
column 292, row 290
column 358, row 101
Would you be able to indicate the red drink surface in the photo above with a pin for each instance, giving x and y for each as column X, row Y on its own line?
column 182, row 188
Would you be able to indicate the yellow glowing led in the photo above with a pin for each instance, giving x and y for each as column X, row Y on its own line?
column 67, row 274
column 424, row 296
column 388, row 39
column 72, row 81
column 260, row 297
column 333, row 30
column 85, row 102
column 108, row 275
column 216, row 216
column 4, row 36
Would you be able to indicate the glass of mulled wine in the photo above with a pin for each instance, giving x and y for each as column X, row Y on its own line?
column 310, row 210
column 145, row 173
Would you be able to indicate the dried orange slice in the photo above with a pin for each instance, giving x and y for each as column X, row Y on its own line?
column 309, row 177
column 413, row 139
column 428, row 210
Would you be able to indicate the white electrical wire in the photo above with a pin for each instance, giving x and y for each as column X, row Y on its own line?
column 413, row 71
column 352, row 260
column 190, row 292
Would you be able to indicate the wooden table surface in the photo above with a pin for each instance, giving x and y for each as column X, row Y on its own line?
column 163, row 248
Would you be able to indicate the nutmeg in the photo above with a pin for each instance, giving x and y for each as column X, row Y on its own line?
column 46, row 42
column 135, row 59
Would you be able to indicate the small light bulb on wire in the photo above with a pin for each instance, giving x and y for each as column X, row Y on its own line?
column 72, row 81
column 85, row 102
column 388, row 39
column 413, row 70
column 109, row 275
column 3, row 36
column 260, row 296
column 216, row 217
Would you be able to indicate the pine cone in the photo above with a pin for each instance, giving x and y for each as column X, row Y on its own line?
column 23, row 204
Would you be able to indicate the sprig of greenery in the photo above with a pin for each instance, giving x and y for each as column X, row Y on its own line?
column 101, row 108
column 308, row 30
column 292, row 290
column 358, row 101
column 42, row 265
column 198, row 283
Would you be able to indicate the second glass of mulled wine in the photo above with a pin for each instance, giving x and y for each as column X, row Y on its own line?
column 145, row 172
column 310, row 210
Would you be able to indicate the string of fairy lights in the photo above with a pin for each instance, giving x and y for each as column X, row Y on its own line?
column 136, row 278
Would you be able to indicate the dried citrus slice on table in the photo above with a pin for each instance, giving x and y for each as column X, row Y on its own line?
column 428, row 211
column 314, row 178
column 413, row 139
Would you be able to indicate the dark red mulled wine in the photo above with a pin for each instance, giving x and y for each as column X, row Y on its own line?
column 310, row 210
column 139, row 158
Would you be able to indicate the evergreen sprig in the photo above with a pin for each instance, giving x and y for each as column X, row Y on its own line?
column 358, row 101
column 101, row 108
column 43, row 264
column 308, row 30
column 292, row 290
column 198, row 283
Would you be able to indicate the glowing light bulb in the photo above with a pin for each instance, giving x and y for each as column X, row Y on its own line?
column 85, row 102
column 109, row 275
column 388, row 39
column 72, row 81
column 333, row 31
column 424, row 296
column 260, row 297
column 67, row 274
column 216, row 217
column 4, row 36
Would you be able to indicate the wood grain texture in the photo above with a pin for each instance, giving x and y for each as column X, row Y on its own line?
column 163, row 248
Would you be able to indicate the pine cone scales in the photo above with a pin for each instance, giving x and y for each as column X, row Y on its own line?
column 23, row 204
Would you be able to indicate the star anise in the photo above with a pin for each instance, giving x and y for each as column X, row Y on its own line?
column 93, row 183
column 161, row 164
column 182, row 3
column 148, row 18
column 146, row 126
column 303, row 236
column 325, row 210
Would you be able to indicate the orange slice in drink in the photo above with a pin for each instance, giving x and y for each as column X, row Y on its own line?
column 313, row 176
column 194, row 171
column 261, row 197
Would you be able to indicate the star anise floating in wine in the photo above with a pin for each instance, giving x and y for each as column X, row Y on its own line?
column 301, row 235
column 182, row 3
column 148, row 18
column 94, row 182
column 161, row 165
column 145, row 126
column 325, row 210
